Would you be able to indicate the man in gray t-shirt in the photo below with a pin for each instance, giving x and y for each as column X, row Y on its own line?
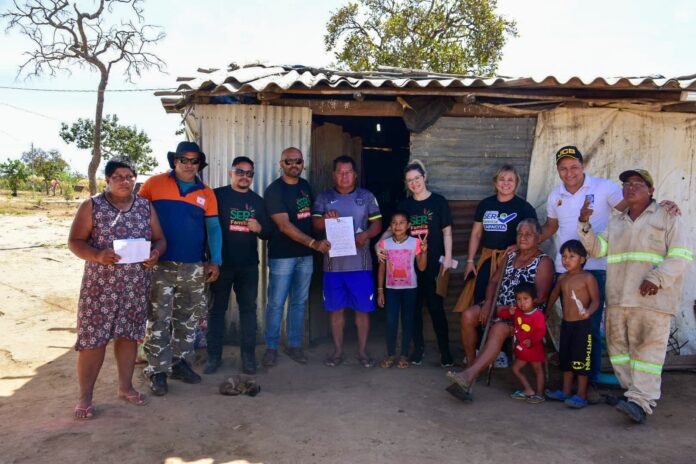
column 348, row 280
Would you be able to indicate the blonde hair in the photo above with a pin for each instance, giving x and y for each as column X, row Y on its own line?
column 415, row 165
column 507, row 168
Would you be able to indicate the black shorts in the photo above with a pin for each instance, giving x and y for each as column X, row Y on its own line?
column 575, row 346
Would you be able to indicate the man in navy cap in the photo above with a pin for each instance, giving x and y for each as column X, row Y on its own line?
column 187, row 210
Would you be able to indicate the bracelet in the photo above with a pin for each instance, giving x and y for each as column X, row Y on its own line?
column 469, row 260
column 311, row 242
column 380, row 289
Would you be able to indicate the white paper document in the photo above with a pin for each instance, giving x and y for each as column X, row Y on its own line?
column 341, row 235
column 132, row 250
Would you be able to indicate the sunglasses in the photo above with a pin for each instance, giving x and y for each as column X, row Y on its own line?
column 243, row 173
column 291, row 161
column 184, row 160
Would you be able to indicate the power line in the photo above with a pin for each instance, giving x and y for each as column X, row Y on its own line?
column 27, row 89
column 29, row 111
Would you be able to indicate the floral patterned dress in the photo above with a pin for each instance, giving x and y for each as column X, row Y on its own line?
column 114, row 298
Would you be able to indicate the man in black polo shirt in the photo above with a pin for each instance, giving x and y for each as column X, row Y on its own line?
column 243, row 220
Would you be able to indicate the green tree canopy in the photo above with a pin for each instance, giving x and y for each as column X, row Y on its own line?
column 14, row 172
column 447, row 36
column 46, row 164
column 116, row 140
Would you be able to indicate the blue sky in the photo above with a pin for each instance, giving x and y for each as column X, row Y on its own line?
column 563, row 38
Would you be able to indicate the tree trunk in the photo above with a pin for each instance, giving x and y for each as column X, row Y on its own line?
column 96, row 150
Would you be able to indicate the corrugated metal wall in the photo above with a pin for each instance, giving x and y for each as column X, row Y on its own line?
column 260, row 132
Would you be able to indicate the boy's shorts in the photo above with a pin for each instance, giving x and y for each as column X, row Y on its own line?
column 575, row 346
column 352, row 289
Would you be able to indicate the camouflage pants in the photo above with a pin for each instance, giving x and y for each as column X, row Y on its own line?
column 178, row 301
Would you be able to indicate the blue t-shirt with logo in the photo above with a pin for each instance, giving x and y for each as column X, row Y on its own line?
column 500, row 219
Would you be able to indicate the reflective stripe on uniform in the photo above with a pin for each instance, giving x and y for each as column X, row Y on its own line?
column 681, row 253
column 653, row 258
column 603, row 246
column 620, row 359
column 650, row 368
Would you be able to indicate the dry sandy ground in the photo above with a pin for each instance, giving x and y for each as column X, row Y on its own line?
column 304, row 414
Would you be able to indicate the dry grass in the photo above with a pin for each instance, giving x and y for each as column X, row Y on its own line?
column 26, row 203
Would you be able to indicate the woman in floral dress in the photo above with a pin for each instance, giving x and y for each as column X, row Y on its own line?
column 113, row 297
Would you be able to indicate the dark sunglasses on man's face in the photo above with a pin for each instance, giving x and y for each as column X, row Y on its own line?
column 184, row 160
column 243, row 173
column 291, row 161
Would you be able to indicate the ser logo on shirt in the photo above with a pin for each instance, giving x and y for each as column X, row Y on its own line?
column 419, row 222
column 493, row 221
column 303, row 205
column 239, row 218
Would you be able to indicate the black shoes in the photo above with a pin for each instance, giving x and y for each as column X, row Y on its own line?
column 613, row 400
column 212, row 365
column 417, row 356
column 249, row 363
column 270, row 358
column 158, row 384
column 296, row 354
column 632, row 410
column 182, row 371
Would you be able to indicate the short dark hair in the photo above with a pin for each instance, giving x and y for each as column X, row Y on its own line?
column 119, row 162
column 574, row 246
column 526, row 287
column 242, row 159
column 344, row 159
column 400, row 212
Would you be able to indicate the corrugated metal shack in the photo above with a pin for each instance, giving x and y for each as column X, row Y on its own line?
column 462, row 127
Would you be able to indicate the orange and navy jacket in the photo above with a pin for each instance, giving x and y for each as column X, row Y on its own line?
column 182, row 216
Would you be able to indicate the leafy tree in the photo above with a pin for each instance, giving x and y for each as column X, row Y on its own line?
column 64, row 35
column 15, row 172
column 116, row 139
column 48, row 165
column 447, row 36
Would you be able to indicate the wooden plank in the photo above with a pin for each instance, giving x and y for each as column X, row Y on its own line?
column 335, row 107
column 679, row 363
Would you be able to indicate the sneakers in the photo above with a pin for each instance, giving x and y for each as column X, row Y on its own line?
column 613, row 400
column 182, row 371
column 417, row 356
column 632, row 410
column 270, row 358
column 446, row 360
column 248, row 363
column 158, row 384
column 296, row 354
column 212, row 365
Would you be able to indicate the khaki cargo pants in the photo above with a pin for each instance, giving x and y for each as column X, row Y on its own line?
column 178, row 301
column 637, row 343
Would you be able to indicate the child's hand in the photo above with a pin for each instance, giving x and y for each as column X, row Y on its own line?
column 423, row 244
column 527, row 343
column 380, row 298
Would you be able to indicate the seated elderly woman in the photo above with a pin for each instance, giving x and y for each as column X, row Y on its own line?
column 529, row 264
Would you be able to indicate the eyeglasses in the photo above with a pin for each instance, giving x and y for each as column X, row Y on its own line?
column 634, row 185
column 184, row 160
column 291, row 161
column 120, row 179
column 414, row 179
column 243, row 173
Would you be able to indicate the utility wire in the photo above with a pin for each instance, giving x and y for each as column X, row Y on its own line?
column 26, row 89
column 29, row 111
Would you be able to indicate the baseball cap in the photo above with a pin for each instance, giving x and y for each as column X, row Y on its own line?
column 642, row 173
column 569, row 151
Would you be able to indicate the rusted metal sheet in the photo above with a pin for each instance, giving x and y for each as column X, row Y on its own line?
column 462, row 154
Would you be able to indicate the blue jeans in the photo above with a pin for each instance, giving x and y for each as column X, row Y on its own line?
column 596, row 318
column 400, row 302
column 289, row 277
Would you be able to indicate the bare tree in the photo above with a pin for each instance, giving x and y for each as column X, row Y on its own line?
column 64, row 36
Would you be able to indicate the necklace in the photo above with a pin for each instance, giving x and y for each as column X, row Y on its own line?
column 107, row 194
column 400, row 241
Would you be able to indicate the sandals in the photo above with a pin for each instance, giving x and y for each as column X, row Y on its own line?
column 333, row 361
column 83, row 413
column 535, row 399
column 519, row 395
column 459, row 380
column 137, row 398
column 556, row 395
column 388, row 362
column 366, row 362
column 575, row 402
column 403, row 363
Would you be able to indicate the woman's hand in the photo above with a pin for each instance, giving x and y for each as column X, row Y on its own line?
column 381, row 253
column 484, row 313
column 107, row 257
column 469, row 269
column 152, row 260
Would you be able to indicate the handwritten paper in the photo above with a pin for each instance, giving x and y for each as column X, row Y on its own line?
column 132, row 250
column 341, row 235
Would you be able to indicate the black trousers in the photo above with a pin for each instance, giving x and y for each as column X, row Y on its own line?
column 436, row 308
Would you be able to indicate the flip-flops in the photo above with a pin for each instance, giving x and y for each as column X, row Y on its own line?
column 459, row 380
column 240, row 385
column 456, row 391
column 535, row 399
column 86, row 413
column 333, row 361
column 575, row 402
column 137, row 398
column 403, row 363
column 388, row 362
column 519, row 395
column 556, row 395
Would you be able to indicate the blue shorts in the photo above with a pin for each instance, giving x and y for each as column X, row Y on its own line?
column 353, row 289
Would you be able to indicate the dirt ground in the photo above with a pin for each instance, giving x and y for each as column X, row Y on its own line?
column 304, row 414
